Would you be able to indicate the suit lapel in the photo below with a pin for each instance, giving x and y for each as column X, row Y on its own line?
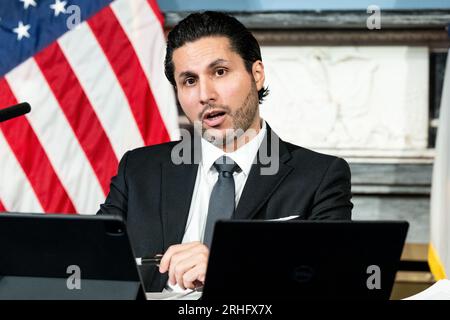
column 259, row 187
column 178, row 183
column 177, row 187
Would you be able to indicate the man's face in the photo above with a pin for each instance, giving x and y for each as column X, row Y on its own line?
column 215, row 89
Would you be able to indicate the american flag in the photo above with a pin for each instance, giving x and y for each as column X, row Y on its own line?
column 96, row 88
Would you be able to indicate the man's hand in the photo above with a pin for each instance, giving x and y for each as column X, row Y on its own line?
column 186, row 264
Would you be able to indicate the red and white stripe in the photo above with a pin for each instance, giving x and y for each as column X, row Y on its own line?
column 140, row 22
column 95, row 93
column 17, row 191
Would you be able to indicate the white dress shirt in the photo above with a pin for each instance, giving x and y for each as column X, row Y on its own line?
column 207, row 177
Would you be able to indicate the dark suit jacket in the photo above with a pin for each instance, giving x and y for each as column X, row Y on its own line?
column 154, row 195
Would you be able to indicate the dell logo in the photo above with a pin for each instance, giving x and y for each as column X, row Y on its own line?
column 303, row 274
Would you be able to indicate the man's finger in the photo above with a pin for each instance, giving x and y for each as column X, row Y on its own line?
column 174, row 262
column 165, row 260
column 194, row 275
column 185, row 266
column 184, row 260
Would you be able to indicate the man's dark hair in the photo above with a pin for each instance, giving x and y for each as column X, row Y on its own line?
column 211, row 23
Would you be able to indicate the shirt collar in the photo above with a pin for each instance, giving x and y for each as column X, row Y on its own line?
column 243, row 156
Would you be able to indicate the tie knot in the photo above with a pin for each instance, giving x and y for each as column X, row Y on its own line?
column 226, row 166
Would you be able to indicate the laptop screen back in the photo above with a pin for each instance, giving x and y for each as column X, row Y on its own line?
column 304, row 260
column 66, row 257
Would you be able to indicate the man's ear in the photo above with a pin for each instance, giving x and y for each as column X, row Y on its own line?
column 258, row 74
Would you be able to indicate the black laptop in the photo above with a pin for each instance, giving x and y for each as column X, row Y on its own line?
column 90, row 257
column 66, row 257
column 304, row 260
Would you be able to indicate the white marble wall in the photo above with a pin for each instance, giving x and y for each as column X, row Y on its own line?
column 355, row 98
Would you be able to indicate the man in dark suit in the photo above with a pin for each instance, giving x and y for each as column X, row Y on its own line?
column 235, row 167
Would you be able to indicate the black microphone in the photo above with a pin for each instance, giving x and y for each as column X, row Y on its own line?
column 14, row 111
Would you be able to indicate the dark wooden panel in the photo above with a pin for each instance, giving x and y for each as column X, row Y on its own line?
column 332, row 19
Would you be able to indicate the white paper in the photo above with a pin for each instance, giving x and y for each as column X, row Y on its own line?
column 438, row 291
column 285, row 218
column 168, row 295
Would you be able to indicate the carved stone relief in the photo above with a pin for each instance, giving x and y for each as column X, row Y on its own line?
column 354, row 98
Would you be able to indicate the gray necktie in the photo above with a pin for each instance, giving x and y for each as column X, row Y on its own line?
column 221, row 203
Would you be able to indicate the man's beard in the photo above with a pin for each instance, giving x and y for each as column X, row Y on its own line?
column 242, row 119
